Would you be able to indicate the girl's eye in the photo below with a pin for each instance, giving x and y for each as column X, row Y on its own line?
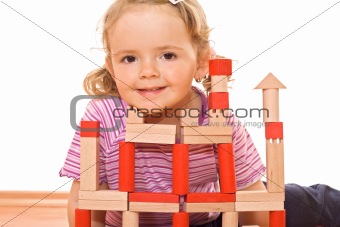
column 169, row 56
column 129, row 59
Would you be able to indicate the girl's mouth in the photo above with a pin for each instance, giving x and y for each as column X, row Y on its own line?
column 150, row 91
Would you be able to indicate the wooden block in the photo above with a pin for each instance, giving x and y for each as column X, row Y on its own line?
column 218, row 100
column 277, row 218
column 205, row 139
column 218, row 117
column 250, row 226
column 89, row 163
column 133, row 116
column 154, row 207
column 226, row 162
column 89, row 129
column 218, row 130
column 151, row 129
column 275, row 166
column 259, row 196
column 271, row 104
column 274, row 130
column 180, row 169
column 130, row 219
column 220, row 66
column 150, row 138
column 82, row 218
column 109, row 195
column 126, row 167
column 153, row 197
column 187, row 118
column 269, row 82
column 103, row 205
column 209, row 197
column 230, row 219
column 219, row 84
column 180, row 219
column 258, row 206
column 209, row 207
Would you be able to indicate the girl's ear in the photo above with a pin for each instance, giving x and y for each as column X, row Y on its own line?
column 108, row 66
column 202, row 68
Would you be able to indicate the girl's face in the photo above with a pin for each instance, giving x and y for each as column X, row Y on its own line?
column 152, row 58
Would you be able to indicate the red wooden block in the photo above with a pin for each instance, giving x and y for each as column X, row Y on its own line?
column 226, row 164
column 180, row 169
column 277, row 218
column 126, row 167
column 82, row 218
column 153, row 197
column 210, row 197
column 89, row 128
column 220, row 67
column 180, row 219
column 218, row 100
column 274, row 130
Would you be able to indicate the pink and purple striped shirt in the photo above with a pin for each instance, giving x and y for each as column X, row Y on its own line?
column 153, row 164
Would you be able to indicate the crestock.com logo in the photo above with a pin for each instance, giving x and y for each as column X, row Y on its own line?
column 120, row 112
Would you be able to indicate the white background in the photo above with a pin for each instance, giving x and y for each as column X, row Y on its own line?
column 47, row 47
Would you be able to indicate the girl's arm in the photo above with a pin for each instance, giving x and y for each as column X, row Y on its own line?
column 97, row 217
column 254, row 218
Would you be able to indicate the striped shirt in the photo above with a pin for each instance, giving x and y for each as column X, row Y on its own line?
column 153, row 163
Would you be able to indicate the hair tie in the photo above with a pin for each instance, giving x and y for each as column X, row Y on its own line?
column 175, row 1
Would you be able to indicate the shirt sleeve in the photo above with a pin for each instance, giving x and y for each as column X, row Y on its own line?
column 249, row 167
column 71, row 167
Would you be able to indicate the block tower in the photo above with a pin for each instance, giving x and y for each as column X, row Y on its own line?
column 228, row 201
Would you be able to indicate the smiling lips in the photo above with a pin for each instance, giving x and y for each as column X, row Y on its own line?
column 150, row 91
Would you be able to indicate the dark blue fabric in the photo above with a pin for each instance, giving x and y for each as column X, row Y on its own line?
column 316, row 205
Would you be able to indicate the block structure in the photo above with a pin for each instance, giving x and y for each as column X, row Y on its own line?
column 228, row 201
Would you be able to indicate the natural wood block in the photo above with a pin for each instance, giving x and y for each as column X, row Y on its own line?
column 153, row 197
column 133, row 116
column 258, row 206
column 89, row 163
column 130, row 219
column 187, row 118
column 270, row 82
column 103, row 205
column 151, row 129
column 229, row 219
column 209, row 197
column 205, row 139
column 154, row 207
column 218, row 130
column 259, row 196
column 275, row 166
column 107, row 195
column 219, row 83
column 209, row 207
column 150, row 138
column 218, row 117
column 271, row 104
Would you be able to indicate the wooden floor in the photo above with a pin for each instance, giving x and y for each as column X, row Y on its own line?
column 33, row 217
column 33, row 209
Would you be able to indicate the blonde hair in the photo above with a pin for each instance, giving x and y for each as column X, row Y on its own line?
column 100, row 82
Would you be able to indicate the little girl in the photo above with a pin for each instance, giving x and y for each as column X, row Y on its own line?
column 155, row 48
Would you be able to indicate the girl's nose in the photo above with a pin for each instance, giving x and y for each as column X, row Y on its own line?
column 149, row 70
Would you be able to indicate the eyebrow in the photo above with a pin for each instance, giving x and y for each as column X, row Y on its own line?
column 165, row 47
